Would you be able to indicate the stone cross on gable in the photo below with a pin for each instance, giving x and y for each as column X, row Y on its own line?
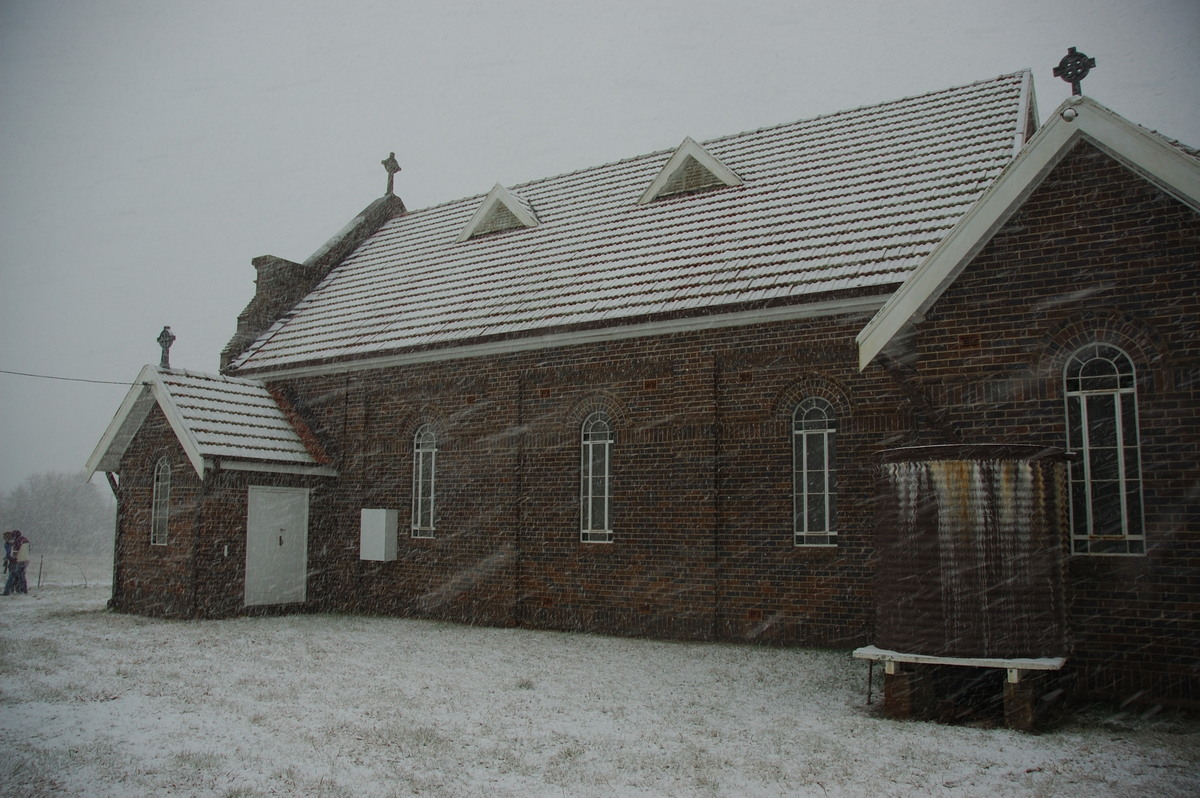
column 392, row 167
column 1073, row 68
column 165, row 339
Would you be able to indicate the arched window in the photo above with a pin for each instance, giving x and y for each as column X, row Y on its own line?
column 424, row 481
column 596, row 479
column 1102, row 428
column 813, row 484
column 160, row 503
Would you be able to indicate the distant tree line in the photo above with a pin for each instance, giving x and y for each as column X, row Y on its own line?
column 61, row 512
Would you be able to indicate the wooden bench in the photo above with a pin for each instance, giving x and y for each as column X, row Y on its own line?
column 902, row 693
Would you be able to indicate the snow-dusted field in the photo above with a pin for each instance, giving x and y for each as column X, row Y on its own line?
column 95, row 703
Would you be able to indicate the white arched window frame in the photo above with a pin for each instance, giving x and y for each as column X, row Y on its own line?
column 424, row 487
column 596, row 479
column 160, row 503
column 1102, row 430
column 814, row 483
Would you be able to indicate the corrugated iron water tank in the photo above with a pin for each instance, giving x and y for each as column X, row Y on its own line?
column 971, row 551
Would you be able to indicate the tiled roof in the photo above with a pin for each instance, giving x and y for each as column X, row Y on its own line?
column 237, row 422
column 235, row 418
column 849, row 202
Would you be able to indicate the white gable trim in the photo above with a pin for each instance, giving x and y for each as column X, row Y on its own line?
column 688, row 149
column 499, row 196
column 148, row 390
column 1079, row 118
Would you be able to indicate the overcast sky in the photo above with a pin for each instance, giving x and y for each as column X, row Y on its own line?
column 149, row 150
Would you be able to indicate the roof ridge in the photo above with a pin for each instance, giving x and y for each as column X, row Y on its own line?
column 207, row 375
column 719, row 139
column 871, row 106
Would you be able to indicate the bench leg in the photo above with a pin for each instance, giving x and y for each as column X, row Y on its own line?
column 907, row 692
column 1021, row 700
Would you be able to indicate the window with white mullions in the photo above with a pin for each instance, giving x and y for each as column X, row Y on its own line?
column 596, row 479
column 425, row 448
column 160, row 503
column 814, row 487
column 1102, row 429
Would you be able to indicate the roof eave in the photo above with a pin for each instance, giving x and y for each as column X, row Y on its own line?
column 117, row 436
column 858, row 301
column 263, row 466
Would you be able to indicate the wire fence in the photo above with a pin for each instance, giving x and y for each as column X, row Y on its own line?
column 66, row 569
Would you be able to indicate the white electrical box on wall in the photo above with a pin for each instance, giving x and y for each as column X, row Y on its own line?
column 377, row 538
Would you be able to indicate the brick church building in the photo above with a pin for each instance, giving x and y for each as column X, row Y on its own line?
column 654, row 397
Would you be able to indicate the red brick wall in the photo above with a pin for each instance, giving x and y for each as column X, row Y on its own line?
column 153, row 579
column 702, row 466
column 1095, row 254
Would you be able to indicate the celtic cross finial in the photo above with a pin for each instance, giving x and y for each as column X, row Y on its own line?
column 1073, row 68
column 392, row 167
column 165, row 339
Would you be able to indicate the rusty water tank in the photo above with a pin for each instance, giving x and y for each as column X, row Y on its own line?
column 971, row 551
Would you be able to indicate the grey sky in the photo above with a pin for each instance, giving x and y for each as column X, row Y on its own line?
column 149, row 150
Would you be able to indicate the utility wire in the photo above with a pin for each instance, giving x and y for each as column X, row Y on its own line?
column 65, row 379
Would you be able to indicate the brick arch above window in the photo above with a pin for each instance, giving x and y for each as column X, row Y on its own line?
column 424, row 416
column 1103, row 326
column 813, row 385
column 604, row 402
column 149, row 460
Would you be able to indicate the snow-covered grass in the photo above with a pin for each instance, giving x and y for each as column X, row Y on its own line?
column 97, row 703
column 57, row 568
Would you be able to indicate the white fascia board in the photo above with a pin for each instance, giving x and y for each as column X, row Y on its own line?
column 745, row 318
column 274, row 468
column 148, row 390
column 502, row 196
column 187, row 439
column 116, row 438
column 1143, row 152
column 689, row 148
column 1079, row 118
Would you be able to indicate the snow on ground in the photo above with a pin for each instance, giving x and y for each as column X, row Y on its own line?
column 101, row 704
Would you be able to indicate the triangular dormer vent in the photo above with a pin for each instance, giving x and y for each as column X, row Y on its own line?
column 501, row 210
column 690, row 168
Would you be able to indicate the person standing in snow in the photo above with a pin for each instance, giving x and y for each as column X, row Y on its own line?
column 16, row 559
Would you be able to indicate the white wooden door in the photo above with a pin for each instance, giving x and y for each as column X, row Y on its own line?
column 276, row 545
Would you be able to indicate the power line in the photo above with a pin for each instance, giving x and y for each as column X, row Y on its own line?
column 64, row 379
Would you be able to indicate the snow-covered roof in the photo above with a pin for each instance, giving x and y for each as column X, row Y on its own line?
column 238, row 423
column 1165, row 163
column 841, row 205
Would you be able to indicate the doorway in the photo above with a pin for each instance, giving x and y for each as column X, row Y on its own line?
column 276, row 546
